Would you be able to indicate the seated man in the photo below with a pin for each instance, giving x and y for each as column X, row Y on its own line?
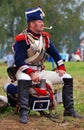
column 30, row 48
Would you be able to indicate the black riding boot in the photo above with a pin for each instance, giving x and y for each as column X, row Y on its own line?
column 23, row 97
column 67, row 96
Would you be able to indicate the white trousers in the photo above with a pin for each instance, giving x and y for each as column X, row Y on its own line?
column 51, row 77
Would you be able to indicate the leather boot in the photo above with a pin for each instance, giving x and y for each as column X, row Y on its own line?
column 67, row 96
column 23, row 99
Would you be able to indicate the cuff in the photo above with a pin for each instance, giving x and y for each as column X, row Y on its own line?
column 61, row 68
column 29, row 71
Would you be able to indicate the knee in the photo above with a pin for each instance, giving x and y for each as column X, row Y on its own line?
column 22, row 76
column 66, row 76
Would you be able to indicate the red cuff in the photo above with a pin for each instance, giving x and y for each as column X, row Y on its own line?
column 61, row 68
column 29, row 71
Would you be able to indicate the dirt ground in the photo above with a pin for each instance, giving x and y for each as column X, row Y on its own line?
column 11, row 122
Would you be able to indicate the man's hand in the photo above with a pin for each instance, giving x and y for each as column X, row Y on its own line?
column 35, row 77
column 61, row 72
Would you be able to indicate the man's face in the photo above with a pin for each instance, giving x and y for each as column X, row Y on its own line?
column 37, row 26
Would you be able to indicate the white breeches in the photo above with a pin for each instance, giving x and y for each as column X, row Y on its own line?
column 51, row 77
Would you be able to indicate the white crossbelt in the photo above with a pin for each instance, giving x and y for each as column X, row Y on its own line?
column 30, row 59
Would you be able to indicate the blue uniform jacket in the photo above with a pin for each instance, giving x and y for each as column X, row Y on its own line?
column 21, row 47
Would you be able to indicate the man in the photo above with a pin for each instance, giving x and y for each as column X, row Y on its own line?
column 30, row 48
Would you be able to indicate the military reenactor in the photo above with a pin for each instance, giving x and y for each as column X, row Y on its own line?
column 30, row 48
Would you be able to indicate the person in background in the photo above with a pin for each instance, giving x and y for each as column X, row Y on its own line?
column 64, row 56
column 77, row 55
column 10, row 59
column 29, row 49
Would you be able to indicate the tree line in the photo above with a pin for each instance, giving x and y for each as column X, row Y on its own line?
column 66, row 17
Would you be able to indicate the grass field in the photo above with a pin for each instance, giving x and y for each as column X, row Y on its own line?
column 76, row 69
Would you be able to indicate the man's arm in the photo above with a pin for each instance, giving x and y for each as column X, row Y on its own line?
column 20, row 49
column 20, row 53
column 56, row 56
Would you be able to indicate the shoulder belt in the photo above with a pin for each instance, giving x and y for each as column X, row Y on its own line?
column 30, row 59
